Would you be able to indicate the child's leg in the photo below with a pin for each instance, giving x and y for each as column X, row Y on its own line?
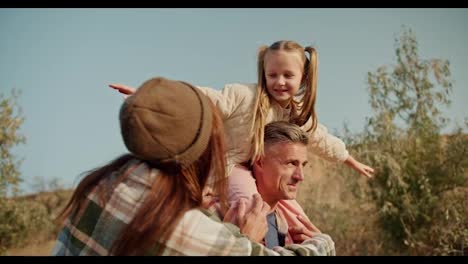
column 241, row 184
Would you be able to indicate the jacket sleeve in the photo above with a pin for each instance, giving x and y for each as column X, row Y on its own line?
column 230, row 98
column 203, row 234
column 319, row 245
column 325, row 145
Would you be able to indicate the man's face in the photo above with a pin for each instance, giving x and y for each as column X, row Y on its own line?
column 279, row 173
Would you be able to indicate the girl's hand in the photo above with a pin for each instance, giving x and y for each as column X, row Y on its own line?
column 359, row 167
column 301, row 233
column 231, row 215
column 126, row 90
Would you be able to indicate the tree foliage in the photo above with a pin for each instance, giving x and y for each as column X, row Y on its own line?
column 417, row 167
column 11, row 119
column 12, row 222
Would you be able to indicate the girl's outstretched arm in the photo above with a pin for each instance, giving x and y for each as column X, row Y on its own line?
column 232, row 98
column 362, row 169
column 333, row 149
column 124, row 89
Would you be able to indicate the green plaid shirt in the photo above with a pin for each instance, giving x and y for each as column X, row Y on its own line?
column 199, row 232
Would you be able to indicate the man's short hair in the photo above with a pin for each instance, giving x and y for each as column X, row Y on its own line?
column 281, row 131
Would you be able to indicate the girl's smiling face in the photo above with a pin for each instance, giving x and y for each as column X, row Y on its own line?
column 283, row 75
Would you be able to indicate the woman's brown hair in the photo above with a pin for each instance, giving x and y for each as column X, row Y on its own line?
column 172, row 194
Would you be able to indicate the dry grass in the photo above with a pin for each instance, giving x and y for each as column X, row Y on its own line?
column 35, row 249
column 330, row 204
column 40, row 242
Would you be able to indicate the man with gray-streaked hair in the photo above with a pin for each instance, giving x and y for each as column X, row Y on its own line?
column 278, row 174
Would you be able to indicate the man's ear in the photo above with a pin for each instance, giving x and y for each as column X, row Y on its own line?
column 257, row 168
column 259, row 163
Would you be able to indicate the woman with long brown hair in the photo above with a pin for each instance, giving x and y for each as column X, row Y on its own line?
column 150, row 202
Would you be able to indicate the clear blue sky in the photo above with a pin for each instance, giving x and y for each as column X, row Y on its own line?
column 63, row 59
